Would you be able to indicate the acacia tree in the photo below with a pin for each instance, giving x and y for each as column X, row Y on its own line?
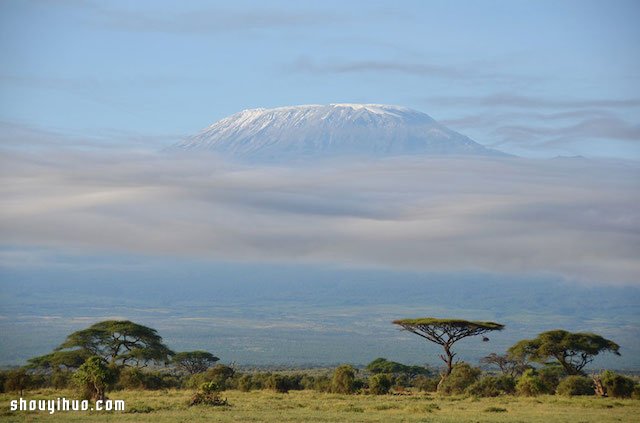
column 572, row 350
column 446, row 332
column 57, row 360
column 118, row 342
column 194, row 361
column 508, row 365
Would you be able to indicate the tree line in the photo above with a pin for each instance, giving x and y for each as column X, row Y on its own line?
column 120, row 354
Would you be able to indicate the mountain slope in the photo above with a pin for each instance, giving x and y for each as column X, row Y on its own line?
column 330, row 130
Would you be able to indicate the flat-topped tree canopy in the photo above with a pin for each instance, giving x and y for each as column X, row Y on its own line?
column 433, row 321
column 446, row 332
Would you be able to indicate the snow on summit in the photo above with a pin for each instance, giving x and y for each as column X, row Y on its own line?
column 315, row 131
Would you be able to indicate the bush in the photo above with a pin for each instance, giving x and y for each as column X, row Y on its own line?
column 245, row 383
column 382, row 365
column 379, row 384
column 278, row 383
column 616, row 385
column 425, row 383
column 492, row 386
column 209, row 394
column 61, row 379
column 551, row 376
column 17, row 381
column 134, row 378
column 220, row 374
column 93, row 378
column 344, row 380
column 575, row 385
column 462, row 376
column 636, row 392
column 321, row 383
column 130, row 378
column 530, row 384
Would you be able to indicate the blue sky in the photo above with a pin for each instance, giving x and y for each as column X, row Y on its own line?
column 536, row 78
column 91, row 91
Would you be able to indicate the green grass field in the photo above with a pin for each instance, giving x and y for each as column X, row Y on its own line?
column 311, row 406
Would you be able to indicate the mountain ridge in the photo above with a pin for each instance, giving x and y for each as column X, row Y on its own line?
column 333, row 130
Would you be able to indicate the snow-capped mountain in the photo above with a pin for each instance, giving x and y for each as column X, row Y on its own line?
column 330, row 130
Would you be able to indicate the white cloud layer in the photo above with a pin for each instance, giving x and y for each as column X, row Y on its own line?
column 573, row 217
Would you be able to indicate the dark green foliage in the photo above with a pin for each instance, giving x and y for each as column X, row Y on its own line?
column 93, row 378
column 452, row 323
column 344, row 380
column 530, row 384
column 380, row 384
column 573, row 351
column 551, row 376
column 60, row 360
column 446, row 332
column 134, row 378
column 319, row 383
column 194, row 362
column 17, row 381
column 512, row 366
column 616, row 385
column 130, row 378
column 120, row 342
column 61, row 379
column 220, row 374
column 208, row 394
column 382, row 365
column 575, row 385
column 492, row 386
column 278, row 383
column 245, row 383
column 636, row 392
column 425, row 383
column 462, row 376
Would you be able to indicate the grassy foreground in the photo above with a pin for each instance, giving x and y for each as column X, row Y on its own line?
column 310, row 406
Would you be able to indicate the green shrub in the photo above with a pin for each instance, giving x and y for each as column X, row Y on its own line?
column 278, row 383
column 220, row 374
column 94, row 377
column 616, row 385
column 380, row 384
column 551, row 376
column 130, row 378
column 462, row 376
column 492, row 386
column 208, row 394
column 575, row 385
column 321, row 383
column 61, row 379
column 636, row 392
column 530, row 384
column 344, row 380
column 17, row 381
column 245, row 383
column 382, row 365
column 134, row 378
column 425, row 383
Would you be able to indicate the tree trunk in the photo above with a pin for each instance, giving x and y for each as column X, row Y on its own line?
column 599, row 389
column 449, row 361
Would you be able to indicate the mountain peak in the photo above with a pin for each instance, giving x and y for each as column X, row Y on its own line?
column 340, row 129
